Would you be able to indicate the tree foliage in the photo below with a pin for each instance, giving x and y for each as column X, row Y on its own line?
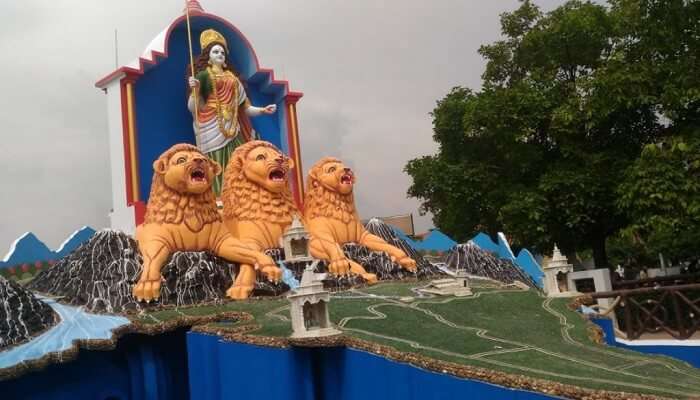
column 661, row 193
column 551, row 148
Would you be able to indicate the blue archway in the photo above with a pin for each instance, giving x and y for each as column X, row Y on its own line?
column 160, row 93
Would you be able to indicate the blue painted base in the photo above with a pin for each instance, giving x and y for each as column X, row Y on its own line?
column 158, row 367
column 689, row 354
column 140, row 368
column 226, row 370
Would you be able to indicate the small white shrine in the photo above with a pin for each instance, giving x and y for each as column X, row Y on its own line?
column 457, row 286
column 295, row 243
column 556, row 273
column 309, row 307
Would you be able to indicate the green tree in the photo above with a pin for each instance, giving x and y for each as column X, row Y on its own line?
column 569, row 100
column 662, row 196
column 659, row 49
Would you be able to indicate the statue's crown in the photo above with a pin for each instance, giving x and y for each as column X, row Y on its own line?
column 210, row 36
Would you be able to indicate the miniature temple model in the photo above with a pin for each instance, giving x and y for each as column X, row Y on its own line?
column 561, row 280
column 295, row 243
column 555, row 275
column 309, row 307
column 457, row 286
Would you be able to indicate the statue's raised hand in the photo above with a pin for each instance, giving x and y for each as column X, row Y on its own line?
column 194, row 82
column 270, row 109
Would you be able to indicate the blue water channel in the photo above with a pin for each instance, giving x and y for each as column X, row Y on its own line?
column 74, row 324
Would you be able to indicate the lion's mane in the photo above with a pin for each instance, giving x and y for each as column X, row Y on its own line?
column 247, row 201
column 320, row 201
column 166, row 205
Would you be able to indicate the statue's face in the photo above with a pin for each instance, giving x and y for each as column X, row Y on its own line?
column 217, row 55
column 188, row 172
column 337, row 177
column 268, row 168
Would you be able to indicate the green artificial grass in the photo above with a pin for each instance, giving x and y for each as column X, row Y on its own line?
column 510, row 330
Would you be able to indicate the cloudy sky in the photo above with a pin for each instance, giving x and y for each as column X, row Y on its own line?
column 370, row 70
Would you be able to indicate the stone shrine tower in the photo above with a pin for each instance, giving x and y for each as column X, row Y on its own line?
column 555, row 274
column 295, row 242
column 309, row 308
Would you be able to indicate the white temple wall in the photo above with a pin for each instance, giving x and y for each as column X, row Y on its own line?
column 121, row 217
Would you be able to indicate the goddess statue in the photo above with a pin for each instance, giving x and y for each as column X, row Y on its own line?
column 219, row 123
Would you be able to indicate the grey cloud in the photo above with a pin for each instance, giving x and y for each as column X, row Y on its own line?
column 371, row 72
column 324, row 129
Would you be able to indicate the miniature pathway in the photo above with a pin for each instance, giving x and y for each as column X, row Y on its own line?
column 75, row 324
column 634, row 361
column 679, row 390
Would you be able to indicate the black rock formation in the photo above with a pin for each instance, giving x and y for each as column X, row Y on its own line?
column 379, row 263
column 377, row 227
column 297, row 268
column 101, row 273
column 22, row 315
column 473, row 260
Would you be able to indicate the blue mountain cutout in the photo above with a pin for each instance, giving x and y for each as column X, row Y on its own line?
column 524, row 260
column 29, row 249
column 438, row 241
column 73, row 241
column 435, row 240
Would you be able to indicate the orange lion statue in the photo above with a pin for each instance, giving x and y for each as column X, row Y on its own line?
column 332, row 221
column 258, row 205
column 181, row 215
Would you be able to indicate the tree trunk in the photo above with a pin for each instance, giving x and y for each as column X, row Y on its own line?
column 600, row 256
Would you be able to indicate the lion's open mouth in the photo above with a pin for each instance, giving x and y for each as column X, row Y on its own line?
column 277, row 175
column 346, row 179
column 198, row 175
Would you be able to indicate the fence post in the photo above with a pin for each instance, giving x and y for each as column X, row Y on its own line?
column 628, row 318
column 682, row 334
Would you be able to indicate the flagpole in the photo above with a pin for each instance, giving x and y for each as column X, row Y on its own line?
column 194, row 93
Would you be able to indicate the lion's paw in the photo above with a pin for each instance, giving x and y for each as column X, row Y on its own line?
column 370, row 278
column 147, row 290
column 272, row 273
column 408, row 263
column 339, row 267
column 239, row 292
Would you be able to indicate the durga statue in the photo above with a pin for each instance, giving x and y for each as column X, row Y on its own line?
column 219, row 104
